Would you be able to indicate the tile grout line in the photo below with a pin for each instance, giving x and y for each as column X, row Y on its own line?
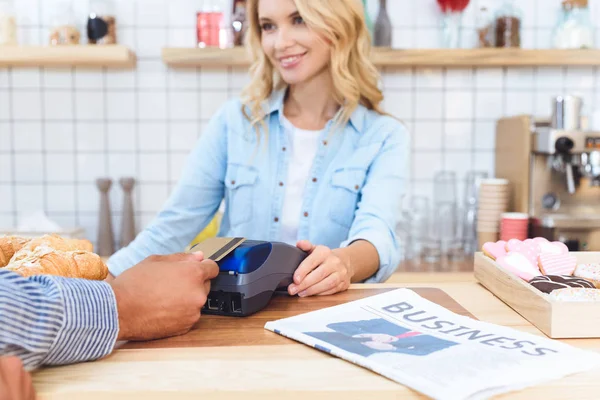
column 43, row 135
column 413, row 93
column 168, row 89
column 13, row 157
column 474, row 149
column 105, row 121
column 75, row 148
column 136, row 86
column 444, row 73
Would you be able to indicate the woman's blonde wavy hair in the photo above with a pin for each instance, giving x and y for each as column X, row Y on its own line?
column 355, row 77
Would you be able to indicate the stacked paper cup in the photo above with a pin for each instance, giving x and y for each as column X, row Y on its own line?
column 493, row 202
column 514, row 226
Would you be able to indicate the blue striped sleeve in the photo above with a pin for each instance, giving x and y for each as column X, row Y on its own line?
column 47, row 320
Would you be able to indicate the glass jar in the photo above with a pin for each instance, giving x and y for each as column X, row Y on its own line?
column 508, row 25
column 63, row 30
column 102, row 24
column 8, row 24
column 215, row 24
column 574, row 28
column 485, row 27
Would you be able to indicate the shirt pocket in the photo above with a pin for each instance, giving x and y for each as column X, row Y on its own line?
column 240, row 181
column 346, row 184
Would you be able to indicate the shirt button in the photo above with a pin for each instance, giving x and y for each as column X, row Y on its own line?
column 276, row 219
column 283, row 149
column 356, row 187
column 233, row 182
column 324, row 142
column 280, row 183
column 314, row 179
column 305, row 214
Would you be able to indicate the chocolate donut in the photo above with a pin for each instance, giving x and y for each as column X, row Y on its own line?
column 548, row 283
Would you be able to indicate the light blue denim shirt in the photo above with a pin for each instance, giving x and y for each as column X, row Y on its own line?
column 358, row 178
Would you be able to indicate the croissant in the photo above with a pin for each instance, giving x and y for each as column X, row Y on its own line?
column 9, row 245
column 54, row 242
column 68, row 264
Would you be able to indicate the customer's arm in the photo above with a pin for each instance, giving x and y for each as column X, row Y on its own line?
column 51, row 320
column 47, row 320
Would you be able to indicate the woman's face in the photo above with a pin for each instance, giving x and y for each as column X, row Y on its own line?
column 298, row 53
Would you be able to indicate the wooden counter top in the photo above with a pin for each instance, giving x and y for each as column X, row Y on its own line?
column 273, row 367
column 444, row 266
column 412, row 271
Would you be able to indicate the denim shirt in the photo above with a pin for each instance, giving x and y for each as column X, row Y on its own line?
column 358, row 178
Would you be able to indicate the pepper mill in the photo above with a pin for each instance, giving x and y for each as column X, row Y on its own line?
column 128, row 221
column 106, row 243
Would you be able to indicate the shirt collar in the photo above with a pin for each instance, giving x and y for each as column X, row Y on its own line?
column 358, row 117
column 275, row 103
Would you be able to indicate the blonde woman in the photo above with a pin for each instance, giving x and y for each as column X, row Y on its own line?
column 306, row 157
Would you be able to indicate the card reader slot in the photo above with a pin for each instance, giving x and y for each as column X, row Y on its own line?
column 212, row 304
column 224, row 302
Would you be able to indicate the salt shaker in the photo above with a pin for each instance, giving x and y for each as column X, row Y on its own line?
column 106, row 242
column 128, row 221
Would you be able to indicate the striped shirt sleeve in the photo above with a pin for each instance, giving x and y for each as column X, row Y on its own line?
column 47, row 320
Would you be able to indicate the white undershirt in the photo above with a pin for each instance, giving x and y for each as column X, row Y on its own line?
column 303, row 148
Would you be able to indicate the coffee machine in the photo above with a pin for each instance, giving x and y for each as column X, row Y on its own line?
column 554, row 169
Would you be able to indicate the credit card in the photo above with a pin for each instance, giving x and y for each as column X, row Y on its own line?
column 217, row 248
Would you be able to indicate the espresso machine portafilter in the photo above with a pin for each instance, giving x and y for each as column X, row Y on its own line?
column 591, row 166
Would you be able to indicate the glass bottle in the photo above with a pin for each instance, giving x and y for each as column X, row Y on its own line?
column 203, row 25
column 8, row 24
column 225, row 25
column 574, row 28
column 102, row 24
column 508, row 25
column 211, row 26
column 239, row 22
column 383, row 27
column 64, row 29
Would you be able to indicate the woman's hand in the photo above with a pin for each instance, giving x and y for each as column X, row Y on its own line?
column 323, row 272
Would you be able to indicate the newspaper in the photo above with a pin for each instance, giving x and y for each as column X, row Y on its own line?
column 432, row 350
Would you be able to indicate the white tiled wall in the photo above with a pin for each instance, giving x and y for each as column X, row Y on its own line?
column 60, row 129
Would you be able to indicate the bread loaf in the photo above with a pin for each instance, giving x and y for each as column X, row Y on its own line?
column 70, row 264
column 9, row 245
column 54, row 242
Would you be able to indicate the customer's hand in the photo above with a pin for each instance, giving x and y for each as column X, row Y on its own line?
column 15, row 382
column 323, row 272
column 162, row 296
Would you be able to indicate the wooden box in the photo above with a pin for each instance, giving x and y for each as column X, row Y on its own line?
column 557, row 319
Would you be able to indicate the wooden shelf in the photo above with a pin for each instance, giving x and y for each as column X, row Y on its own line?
column 115, row 56
column 192, row 57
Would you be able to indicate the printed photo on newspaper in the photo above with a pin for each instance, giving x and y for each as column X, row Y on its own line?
column 417, row 343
